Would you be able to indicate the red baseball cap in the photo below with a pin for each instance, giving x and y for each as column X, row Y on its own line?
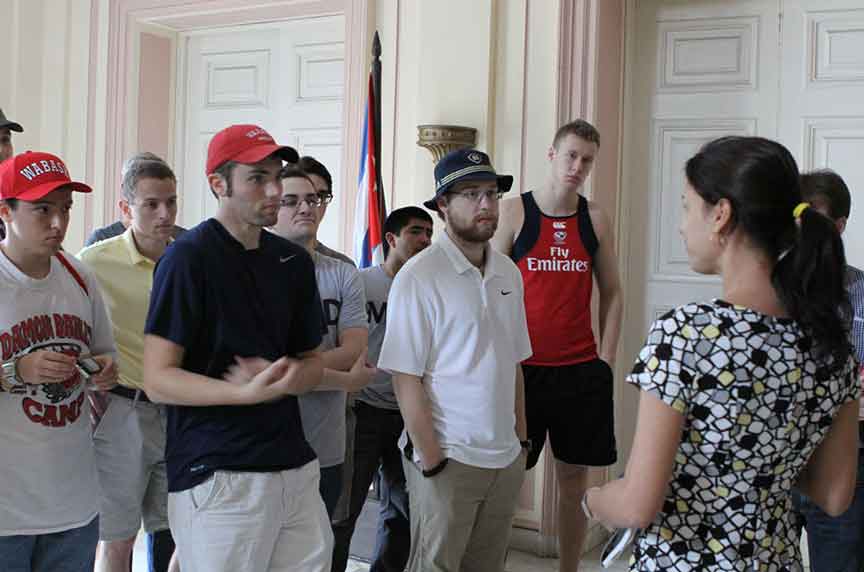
column 31, row 175
column 245, row 144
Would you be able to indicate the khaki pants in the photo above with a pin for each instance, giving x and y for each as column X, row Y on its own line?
column 461, row 517
column 255, row 522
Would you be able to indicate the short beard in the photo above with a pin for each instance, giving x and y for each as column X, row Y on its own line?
column 473, row 234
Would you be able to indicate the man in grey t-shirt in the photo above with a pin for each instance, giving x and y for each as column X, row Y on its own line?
column 378, row 422
column 344, row 346
column 323, row 183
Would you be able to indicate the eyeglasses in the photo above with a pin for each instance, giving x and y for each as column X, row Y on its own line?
column 321, row 198
column 492, row 195
column 292, row 201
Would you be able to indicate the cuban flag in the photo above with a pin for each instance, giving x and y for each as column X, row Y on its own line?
column 370, row 211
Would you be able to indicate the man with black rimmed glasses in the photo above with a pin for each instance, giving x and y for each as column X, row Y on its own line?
column 323, row 183
column 346, row 337
column 456, row 334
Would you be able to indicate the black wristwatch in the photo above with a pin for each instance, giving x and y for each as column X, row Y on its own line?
column 436, row 469
column 527, row 445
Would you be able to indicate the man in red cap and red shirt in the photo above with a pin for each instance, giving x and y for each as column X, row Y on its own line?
column 231, row 340
column 55, row 337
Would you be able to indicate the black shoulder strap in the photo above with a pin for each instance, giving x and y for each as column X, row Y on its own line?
column 586, row 229
column 530, row 228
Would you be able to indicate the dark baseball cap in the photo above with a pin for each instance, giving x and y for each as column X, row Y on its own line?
column 9, row 124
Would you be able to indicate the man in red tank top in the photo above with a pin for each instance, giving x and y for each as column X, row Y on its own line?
column 561, row 242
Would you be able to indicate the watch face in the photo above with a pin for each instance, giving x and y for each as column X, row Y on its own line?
column 89, row 365
column 9, row 376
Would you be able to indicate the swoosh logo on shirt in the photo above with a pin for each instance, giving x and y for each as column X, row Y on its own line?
column 506, row 292
column 286, row 258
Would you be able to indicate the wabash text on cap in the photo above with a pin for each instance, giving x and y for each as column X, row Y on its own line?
column 31, row 175
column 245, row 144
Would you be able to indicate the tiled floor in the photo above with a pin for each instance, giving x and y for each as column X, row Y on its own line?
column 516, row 562
column 522, row 562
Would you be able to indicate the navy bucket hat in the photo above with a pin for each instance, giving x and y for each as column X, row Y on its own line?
column 465, row 165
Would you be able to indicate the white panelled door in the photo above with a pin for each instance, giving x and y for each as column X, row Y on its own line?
column 822, row 97
column 287, row 77
column 700, row 70
column 791, row 70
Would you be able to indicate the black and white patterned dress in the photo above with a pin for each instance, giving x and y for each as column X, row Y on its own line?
column 756, row 405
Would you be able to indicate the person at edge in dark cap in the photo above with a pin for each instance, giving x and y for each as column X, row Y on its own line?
column 456, row 336
column 7, row 126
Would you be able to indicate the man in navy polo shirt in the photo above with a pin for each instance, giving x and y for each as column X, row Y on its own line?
column 229, row 347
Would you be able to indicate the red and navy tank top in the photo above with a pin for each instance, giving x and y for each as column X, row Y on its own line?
column 556, row 258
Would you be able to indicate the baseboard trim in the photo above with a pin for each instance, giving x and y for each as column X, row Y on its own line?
column 544, row 546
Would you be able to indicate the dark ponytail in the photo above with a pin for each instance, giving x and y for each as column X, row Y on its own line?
column 810, row 281
column 760, row 179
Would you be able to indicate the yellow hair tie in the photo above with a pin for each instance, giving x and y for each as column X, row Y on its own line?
column 800, row 209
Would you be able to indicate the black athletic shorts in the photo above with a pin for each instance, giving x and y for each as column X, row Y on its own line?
column 574, row 405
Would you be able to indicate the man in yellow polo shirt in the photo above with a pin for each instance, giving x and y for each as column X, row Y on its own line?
column 130, row 438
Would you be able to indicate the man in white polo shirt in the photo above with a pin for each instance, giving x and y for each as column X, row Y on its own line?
column 456, row 334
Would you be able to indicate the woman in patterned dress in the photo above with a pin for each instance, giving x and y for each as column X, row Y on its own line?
column 746, row 396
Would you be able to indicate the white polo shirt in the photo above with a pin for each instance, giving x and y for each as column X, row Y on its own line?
column 464, row 334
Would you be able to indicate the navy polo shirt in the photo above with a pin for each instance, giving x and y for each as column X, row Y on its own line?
column 219, row 300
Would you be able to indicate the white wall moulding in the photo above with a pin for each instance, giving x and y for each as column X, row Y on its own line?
column 836, row 143
column 322, row 71
column 576, row 59
column 716, row 54
column 205, row 14
column 203, row 196
column 833, row 142
column 676, row 140
column 237, row 79
column 834, row 46
column 658, row 310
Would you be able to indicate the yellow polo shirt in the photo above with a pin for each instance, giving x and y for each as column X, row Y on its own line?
column 126, row 278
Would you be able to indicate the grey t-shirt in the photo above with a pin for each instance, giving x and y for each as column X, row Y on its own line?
column 344, row 303
column 379, row 393
column 327, row 251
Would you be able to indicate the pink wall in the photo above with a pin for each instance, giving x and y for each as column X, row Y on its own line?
column 154, row 96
